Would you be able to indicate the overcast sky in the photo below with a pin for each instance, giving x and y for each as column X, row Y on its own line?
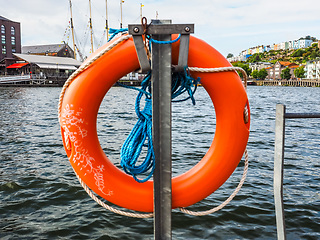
column 228, row 25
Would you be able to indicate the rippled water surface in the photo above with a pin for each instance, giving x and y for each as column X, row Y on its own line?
column 40, row 197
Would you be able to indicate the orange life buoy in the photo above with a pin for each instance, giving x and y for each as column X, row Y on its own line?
column 78, row 119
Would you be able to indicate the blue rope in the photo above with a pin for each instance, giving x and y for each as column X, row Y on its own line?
column 114, row 32
column 163, row 42
column 141, row 134
column 139, row 137
column 182, row 82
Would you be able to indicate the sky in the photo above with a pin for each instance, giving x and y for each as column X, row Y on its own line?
column 230, row 26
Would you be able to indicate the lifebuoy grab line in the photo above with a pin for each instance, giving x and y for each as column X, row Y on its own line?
column 78, row 108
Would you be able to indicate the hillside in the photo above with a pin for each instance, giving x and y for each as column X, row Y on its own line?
column 295, row 56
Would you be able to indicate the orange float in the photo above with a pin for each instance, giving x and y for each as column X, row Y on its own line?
column 78, row 119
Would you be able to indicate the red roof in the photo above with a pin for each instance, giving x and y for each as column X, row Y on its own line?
column 285, row 63
column 17, row 65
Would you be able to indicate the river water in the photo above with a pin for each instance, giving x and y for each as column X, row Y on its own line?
column 40, row 197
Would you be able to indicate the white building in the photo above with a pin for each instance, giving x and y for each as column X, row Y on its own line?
column 291, row 44
column 282, row 46
column 305, row 43
column 312, row 69
column 259, row 65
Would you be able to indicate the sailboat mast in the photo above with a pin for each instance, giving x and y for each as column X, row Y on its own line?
column 141, row 5
column 72, row 30
column 91, row 31
column 121, row 1
column 107, row 27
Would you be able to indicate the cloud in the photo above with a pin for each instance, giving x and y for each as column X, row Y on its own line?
column 231, row 25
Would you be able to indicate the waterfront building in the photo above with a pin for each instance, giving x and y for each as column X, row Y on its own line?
column 312, row 69
column 10, row 42
column 259, row 65
column 270, row 72
column 57, row 50
column 43, row 67
column 274, row 73
column 292, row 68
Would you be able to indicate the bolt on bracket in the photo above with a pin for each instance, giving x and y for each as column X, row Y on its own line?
column 184, row 29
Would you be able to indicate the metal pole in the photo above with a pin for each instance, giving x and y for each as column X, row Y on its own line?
column 281, row 115
column 278, row 170
column 302, row 115
column 161, row 127
column 107, row 26
column 91, row 29
column 121, row 1
column 141, row 5
column 72, row 31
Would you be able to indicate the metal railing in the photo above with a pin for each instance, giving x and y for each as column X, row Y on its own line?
column 281, row 115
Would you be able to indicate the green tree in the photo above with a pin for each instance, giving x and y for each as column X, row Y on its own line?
column 299, row 72
column 262, row 74
column 314, row 54
column 298, row 53
column 230, row 55
column 285, row 73
column 244, row 66
column 254, row 73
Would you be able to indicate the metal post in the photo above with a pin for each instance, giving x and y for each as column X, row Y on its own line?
column 281, row 115
column 278, row 170
column 161, row 30
column 161, row 131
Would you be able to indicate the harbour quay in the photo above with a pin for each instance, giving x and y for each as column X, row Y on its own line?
column 291, row 83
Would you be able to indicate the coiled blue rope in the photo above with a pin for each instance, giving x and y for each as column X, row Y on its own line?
column 141, row 134
column 114, row 32
column 164, row 42
column 139, row 137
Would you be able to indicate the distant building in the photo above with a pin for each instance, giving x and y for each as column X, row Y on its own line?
column 56, row 50
column 274, row 73
column 312, row 69
column 305, row 42
column 259, row 65
column 44, row 66
column 10, row 42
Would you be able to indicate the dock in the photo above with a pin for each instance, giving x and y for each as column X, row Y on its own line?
column 290, row 83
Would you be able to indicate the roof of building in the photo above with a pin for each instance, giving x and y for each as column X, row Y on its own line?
column 285, row 63
column 18, row 65
column 50, row 62
column 48, row 48
column 4, row 19
column 294, row 66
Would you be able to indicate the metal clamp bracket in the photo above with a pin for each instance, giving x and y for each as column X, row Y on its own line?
column 154, row 29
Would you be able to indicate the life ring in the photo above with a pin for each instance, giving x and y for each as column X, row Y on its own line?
column 78, row 119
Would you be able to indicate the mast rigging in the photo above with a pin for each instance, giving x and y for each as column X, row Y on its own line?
column 72, row 30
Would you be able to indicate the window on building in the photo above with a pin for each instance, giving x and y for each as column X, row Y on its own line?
column 3, row 39
column 4, row 50
column 13, row 40
column 3, row 29
column 13, row 31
